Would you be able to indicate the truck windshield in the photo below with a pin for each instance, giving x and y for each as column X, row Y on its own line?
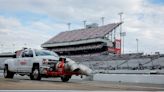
column 45, row 53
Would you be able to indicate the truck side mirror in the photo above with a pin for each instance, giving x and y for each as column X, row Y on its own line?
column 14, row 56
column 25, row 54
column 60, row 59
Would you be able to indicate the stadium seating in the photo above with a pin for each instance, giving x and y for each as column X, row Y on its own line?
column 115, row 62
column 82, row 34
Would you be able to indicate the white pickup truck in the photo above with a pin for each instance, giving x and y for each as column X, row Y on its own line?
column 43, row 63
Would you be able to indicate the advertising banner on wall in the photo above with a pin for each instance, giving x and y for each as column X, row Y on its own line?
column 116, row 49
column 118, row 46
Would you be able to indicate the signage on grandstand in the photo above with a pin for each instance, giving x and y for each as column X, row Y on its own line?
column 117, row 47
column 111, row 50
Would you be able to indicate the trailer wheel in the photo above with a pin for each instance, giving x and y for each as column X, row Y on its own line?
column 35, row 75
column 65, row 78
column 7, row 73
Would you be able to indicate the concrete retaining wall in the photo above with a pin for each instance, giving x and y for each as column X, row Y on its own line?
column 126, row 78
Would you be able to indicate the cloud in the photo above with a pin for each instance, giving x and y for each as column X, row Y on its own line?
column 4, row 31
column 40, row 26
column 142, row 20
column 13, row 33
column 147, row 26
column 72, row 9
column 9, row 22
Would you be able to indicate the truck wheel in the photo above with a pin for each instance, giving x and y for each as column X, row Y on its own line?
column 65, row 78
column 35, row 75
column 7, row 73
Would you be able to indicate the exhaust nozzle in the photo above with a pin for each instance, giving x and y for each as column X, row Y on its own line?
column 74, row 67
column 85, row 70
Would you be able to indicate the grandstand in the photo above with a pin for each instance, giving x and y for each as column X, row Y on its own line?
column 90, row 40
column 99, row 48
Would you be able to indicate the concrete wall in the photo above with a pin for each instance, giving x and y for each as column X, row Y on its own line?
column 131, row 78
column 126, row 78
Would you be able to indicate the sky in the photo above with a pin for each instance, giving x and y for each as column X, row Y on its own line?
column 29, row 23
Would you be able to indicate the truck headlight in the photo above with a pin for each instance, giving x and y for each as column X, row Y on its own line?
column 45, row 61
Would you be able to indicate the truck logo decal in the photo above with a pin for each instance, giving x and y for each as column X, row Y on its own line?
column 23, row 62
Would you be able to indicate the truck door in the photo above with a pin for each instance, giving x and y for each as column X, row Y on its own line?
column 25, row 62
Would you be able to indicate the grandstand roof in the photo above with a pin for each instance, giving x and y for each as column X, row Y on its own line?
column 82, row 34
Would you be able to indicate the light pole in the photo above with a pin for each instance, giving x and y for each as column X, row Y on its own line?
column 69, row 26
column 84, row 23
column 123, row 34
column 120, row 14
column 102, row 20
column 25, row 45
column 13, row 47
column 137, row 45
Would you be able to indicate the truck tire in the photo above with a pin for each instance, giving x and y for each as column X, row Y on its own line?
column 35, row 75
column 7, row 73
column 65, row 78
